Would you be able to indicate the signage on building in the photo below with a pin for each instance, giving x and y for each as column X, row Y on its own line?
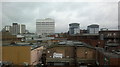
column 57, row 55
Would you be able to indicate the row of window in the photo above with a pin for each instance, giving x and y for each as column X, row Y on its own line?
column 110, row 34
column 45, row 24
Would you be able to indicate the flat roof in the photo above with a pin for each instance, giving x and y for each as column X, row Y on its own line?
column 113, row 44
column 87, row 35
column 33, row 46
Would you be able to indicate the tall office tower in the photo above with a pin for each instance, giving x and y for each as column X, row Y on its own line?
column 15, row 29
column 93, row 29
column 21, row 28
column 45, row 26
column 18, row 29
column 74, row 28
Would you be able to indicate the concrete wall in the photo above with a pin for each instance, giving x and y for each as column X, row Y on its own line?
column 36, row 55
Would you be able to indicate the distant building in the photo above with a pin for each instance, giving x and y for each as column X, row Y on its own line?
column 119, row 15
column 7, row 28
column 45, row 26
column 103, row 29
column 15, row 29
column 93, row 29
column 110, row 36
column 83, row 31
column 7, row 37
column 18, row 28
column 21, row 28
column 92, row 39
column 74, row 28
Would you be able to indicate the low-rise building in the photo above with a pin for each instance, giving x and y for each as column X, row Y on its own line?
column 106, row 58
column 110, row 36
column 21, row 55
column 7, row 37
column 91, row 39
column 70, row 55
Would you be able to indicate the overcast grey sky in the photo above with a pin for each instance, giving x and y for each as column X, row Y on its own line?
column 103, row 13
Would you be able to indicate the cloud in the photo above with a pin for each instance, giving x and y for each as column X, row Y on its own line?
column 60, row 0
column 85, row 13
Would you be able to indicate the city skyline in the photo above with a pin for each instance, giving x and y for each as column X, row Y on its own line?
column 60, row 33
column 64, row 13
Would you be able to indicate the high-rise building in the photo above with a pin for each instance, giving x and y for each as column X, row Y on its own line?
column 45, row 26
column 21, row 28
column 74, row 28
column 15, row 29
column 93, row 29
column 18, row 29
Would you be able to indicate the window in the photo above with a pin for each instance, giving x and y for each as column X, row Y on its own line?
column 109, row 34
column 114, row 34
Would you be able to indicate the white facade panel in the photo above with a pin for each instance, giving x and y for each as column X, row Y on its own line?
column 45, row 26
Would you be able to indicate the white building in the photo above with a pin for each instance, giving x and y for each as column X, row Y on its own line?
column 74, row 28
column 45, row 26
column 21, row 28
column 93, row 29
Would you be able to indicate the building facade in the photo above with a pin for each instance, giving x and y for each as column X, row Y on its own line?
column 45, row 26
column 7, row 28
column 91, row 39
column 74, row 28
column 110, row 36
column 17, row 55
column 69, row 56
column 16, row 28
column 107, row 59
column 93, row 29
column 21, row 28
column 7, row 37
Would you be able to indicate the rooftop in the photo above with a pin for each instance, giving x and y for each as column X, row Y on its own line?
column 33, row 46
column 108, row 54
column 87, row 35
column 113, row 44
column 72, row 44
column 45, row 20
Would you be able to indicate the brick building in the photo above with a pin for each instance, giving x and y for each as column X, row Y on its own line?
column 7, row 37
column 91, row 39
column 69, row 56
column 110, row 36
column 106, row 58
